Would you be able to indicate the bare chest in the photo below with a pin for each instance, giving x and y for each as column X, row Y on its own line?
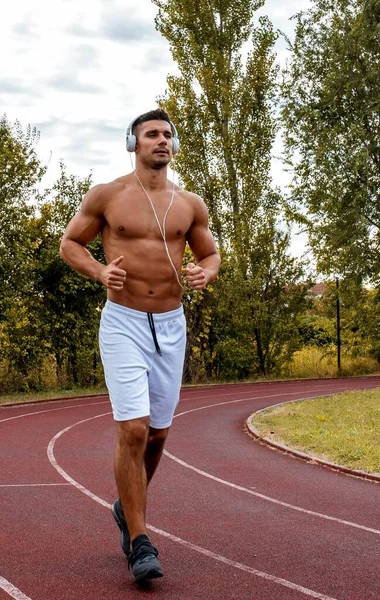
column 135, row 218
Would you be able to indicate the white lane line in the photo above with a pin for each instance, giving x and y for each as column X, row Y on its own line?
column 294, row 393
column 11, row 590
column 10, row 485
column 241, row 567
column 311, row 513
column 257, row 494
column 187, row 412
column 205, row 474
column 272, row 578
column 208, row 475
column 339, row 387
column 40, row 412
column 62, row 472
column 207, row 397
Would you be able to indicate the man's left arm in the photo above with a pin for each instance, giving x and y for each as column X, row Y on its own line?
column 203, row 247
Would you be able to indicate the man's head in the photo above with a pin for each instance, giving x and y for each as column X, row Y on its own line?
column 154, row 138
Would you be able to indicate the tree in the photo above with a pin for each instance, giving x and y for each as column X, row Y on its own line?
column 69, row 303
column 20, row 172
column 224, row 108
column 332, row 118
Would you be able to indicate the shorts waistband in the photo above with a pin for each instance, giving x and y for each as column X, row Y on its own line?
column 142, row 315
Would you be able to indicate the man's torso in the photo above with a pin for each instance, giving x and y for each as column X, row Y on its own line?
column 130, row 229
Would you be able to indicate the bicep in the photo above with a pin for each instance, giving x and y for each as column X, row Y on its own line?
column 83, row 228
column 87, row 223
column 199, row 236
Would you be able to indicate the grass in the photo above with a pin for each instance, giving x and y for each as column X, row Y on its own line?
column 315, row 362
column 344, row 428
column 50, row 395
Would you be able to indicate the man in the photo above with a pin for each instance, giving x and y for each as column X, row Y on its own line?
column 144, row 221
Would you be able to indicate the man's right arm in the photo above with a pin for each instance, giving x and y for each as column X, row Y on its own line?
column 81, row 230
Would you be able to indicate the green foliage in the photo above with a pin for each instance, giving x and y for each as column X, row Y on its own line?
column 20, row 172
column 48, row 313
column 224, row 107
column 256, row 318
column 69, row 303
column 331, row 114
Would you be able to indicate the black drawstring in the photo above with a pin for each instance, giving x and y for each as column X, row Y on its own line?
column 153, row 330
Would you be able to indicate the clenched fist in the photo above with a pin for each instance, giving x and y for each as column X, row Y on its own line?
column 113, row 277
column 196, row 276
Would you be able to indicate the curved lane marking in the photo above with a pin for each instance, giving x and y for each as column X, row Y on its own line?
column 312, row 513
column 11, row 485
column 173, row 538
column 18, row 595
column 40, row 412
column 11, row 590
column 257, row 494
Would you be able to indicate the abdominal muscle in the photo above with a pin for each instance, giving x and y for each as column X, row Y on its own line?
column 151, row 284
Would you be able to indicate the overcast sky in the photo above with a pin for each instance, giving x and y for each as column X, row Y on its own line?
column 81, row 70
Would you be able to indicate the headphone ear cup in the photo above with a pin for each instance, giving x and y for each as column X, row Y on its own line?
column 175, row 145
column 131, row 142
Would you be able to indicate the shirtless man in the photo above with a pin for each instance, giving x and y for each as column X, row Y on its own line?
column 144, row 221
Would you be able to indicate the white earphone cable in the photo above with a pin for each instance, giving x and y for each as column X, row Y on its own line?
column 163, row 227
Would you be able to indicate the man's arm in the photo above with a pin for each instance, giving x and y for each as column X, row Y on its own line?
column 81, row 230
column 203, row 247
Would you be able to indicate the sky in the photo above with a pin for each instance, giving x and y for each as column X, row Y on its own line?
column 80, row 70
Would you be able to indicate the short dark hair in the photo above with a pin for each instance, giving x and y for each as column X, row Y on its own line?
column 153, row 115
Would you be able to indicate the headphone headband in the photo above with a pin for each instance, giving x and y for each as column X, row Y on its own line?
column 131, row 139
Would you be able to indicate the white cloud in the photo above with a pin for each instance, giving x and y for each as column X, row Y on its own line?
column 80, row 70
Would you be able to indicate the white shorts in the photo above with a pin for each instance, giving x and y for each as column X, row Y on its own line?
column 142, row 382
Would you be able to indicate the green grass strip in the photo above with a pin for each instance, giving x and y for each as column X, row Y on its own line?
column 50, row 395
column 343, row 429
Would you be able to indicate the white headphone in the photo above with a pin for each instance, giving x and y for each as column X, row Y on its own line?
column 131, row 139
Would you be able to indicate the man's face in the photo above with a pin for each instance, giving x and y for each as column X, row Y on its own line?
column 154, row 143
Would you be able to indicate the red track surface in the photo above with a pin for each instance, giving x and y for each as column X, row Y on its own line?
column 232, row 519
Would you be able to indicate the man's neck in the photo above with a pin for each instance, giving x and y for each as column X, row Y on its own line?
column 152, row 179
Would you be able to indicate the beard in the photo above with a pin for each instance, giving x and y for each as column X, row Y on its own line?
column 160, row 162
column 156, row 161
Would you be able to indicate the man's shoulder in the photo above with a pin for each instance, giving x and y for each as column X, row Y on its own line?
column 104, row 191
column 112, row 186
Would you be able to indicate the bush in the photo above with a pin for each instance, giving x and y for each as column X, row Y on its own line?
column 313, row 362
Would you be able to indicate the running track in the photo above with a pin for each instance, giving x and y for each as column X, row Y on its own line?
column 232, row 518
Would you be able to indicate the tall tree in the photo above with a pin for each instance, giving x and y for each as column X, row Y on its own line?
column 223, row 105
column 69, row 303
column 20, row 172
column 332, row 118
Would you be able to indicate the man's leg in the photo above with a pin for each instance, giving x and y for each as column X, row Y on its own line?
column 130, row 472
column 131, row 479
column 154, row 450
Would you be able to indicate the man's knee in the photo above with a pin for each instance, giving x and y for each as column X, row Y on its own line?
column 133, row 432
column 157, row 437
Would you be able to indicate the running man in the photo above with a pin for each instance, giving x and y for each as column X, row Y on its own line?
column 145, row 221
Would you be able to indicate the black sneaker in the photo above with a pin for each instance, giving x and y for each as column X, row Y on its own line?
column 118, row 515
column 143, row 559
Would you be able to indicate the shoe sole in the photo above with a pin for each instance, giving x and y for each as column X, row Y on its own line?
column 120, row 525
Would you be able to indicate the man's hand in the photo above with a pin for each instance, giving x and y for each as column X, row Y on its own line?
column 196, row 276
column 113, row 277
